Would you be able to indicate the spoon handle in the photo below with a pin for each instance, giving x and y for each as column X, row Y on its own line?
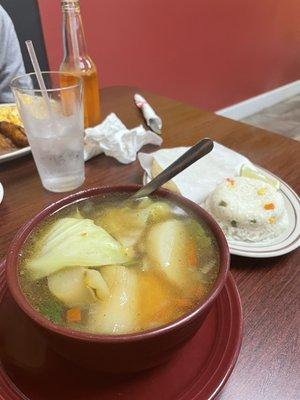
column 193, row 154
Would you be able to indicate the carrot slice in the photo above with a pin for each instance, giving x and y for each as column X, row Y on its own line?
column 269, row 206
column 74, row 315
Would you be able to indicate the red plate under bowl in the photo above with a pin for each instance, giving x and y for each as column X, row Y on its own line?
column 30, row 369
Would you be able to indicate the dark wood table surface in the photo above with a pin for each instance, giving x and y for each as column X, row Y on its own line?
column 268, row 367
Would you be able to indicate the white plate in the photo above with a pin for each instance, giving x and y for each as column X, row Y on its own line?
column 14, row 153
column 285, row 243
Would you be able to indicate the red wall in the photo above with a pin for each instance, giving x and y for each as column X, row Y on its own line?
column 210, row 53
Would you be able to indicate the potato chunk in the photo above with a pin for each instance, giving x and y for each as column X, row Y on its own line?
column 166, row 245
column 116, row 314
column 77, row 286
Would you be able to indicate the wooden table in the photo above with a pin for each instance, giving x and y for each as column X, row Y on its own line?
column 269, row 363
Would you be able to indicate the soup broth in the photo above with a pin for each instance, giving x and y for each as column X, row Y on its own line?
column 109, row 266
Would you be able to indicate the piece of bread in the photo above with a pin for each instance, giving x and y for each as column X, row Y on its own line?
column 155, row 170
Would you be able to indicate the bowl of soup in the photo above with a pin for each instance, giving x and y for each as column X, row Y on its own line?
column 118, row 285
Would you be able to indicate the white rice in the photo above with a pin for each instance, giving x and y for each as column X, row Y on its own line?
column 239, row 206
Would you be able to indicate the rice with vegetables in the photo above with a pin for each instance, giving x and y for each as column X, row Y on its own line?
column 248, row 209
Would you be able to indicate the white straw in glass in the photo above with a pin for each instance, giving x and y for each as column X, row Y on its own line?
column 39, row 76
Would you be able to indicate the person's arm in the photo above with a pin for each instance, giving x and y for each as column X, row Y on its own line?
column 11, row 61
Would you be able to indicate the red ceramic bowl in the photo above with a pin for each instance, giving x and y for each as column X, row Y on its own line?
column 122, row 353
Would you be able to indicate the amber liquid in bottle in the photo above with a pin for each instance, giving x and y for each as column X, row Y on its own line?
column 77, row 61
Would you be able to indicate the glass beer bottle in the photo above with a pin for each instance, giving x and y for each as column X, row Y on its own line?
column 77, row 61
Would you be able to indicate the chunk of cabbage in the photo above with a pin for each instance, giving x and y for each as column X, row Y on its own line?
column 116, row 314
column 127, row 224
column 166, row 246
column 93, row 279
column 75, row 242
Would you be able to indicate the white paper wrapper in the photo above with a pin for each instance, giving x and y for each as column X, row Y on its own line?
column 114, row 139
column 152, row 119
column 201, row 178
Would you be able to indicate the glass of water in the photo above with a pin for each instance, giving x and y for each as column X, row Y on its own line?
column 54, row 128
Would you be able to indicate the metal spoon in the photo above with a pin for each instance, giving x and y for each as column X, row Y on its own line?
column 200, row 149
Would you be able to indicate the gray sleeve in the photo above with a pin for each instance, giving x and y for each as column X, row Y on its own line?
column 11, row 61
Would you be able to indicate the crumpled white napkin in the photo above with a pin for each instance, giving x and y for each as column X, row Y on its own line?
column 201, row 178
column 114, row 139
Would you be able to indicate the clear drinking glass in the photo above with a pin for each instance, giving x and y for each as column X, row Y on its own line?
column 55, row 133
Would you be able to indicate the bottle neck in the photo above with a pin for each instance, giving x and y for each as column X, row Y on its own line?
column 74, row 43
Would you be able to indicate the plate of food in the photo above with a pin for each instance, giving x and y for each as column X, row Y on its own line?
column 13, row 140
column 258, row 212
